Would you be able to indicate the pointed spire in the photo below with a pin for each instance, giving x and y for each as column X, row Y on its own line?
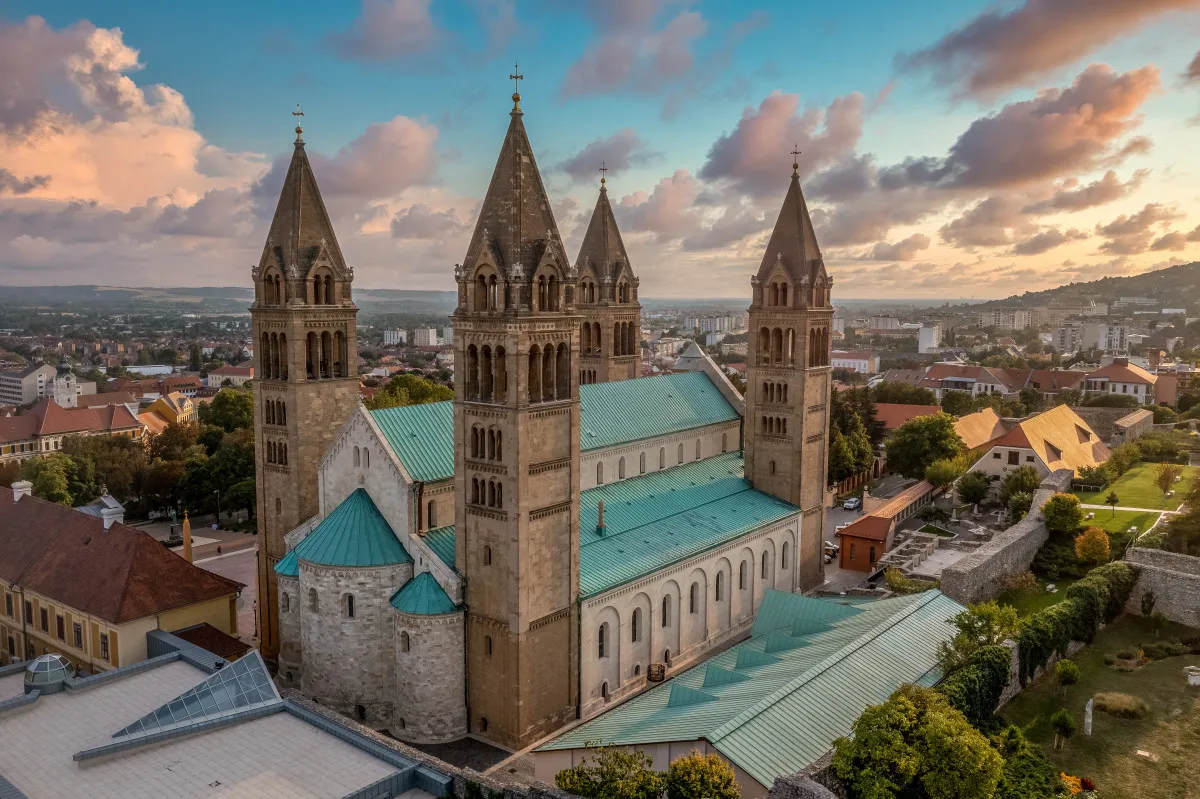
column 301, row 227
column 515, row 224
column 602, row 248
column 793, row 241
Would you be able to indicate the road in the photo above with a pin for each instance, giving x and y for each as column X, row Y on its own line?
column 242, row 566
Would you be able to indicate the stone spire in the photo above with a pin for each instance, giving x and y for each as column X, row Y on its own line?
column 794, row 242
column 602, row 249
column 515, row 225
column 301, row 227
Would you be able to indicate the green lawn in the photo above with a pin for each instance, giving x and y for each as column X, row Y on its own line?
column 1109, row 757
column 1136, row 489
column 933, row 529
column 1117, row 524
column 1029, row 602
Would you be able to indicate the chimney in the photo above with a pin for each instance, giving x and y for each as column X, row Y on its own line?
column 600, row 519
column 22, row 488
column 112, row 516
column 187, row 538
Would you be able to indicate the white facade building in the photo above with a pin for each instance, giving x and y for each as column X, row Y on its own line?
column 861, row 361
column 425, row 337
column 929, row 338
column 1103, row 336
column 393, row 338
column 881, row 323
column 1007, row 318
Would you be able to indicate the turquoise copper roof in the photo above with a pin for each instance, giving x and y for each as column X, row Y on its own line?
column 422, row 596
column 354, row 534
column 663, row 517
column 777, row 713
column 441, row 541
column 288, row 565
column 422, row 436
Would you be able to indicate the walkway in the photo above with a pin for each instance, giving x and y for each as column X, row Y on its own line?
column 1122, row 507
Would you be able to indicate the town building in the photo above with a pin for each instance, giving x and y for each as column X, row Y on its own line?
column 1104, row 336
column 1006, row 318
column 237, row 376
column 865, row 540
column 27, row 385
column 536, row 550
column 41, row 429
column 394, row 338
column 425, row 337
column 975, row 380
column 1049, row 441
column 67, row 389
column 864, row 362
column 173, row 408
column 1122, row 377
column 882, row 323
column 89, row 588
column 893, row 415
column 929, row 338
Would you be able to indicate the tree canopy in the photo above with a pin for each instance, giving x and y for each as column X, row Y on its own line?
column 921, row 441
column 898, row 393
column 1063, row 514
column 231, row 409
column 408, row 389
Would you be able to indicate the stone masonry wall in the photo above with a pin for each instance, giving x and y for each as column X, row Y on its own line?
column 976, row 578
column 290, row 658
column 430, row 698
column 1173, row 579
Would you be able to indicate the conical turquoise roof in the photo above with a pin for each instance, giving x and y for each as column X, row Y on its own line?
column 422, row 596
column 355, row 534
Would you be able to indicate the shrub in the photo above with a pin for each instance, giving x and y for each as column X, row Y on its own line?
column 1027, row 773
column 1126, row 654
column 1063, row 514
column 933, row 513
column 612, row 774
column 1122, row 706
column 1064, row 726
column 1092, row 546
column 1124, row 457
column 974, row 688
column 699, row 776
column 1109, row 660
column 1024, row 583
column 1094, row 476
column 1158, row 650
column 1067, row 673
column 973, row 487
column 1057, row 559
column 898, row 583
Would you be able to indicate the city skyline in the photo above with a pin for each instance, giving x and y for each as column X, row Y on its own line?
column 969, row 151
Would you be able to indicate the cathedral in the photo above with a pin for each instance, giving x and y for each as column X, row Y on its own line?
column 563, row 533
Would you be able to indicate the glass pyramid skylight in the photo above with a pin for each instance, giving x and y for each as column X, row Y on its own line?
column 241, row 686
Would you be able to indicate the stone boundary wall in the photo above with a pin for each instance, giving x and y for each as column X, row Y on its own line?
column 976, row 578
column 1174, row 580
column 1103, row 420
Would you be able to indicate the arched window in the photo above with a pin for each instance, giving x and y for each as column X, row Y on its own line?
column 621, row 468
column 720, row 586
column 635, row 625
column 357, row 457
column 285, row 602
column 742, row 576
column 491, row 494
column 313, row 604
column 666, row 611
column 278, row 506
column 366, row 458
column 360, row 713
column 662, row 457
column 499, row 446
column 783, row 556
column 764, row 565
column 642, row 463
column 604, row 690
column 600, row 473
column 431, row 517
column 349, row 606
column 499, row 495
column 692, row 598
column 771, row 467
column 487, row 556
column 724, row 443
column 487, row 643
column 405, row 642
column 852, row 548
column 601, row 640
column 667, row 657
column 679, row 454
column 474, row 490
column 698, row 450
column 483, row 723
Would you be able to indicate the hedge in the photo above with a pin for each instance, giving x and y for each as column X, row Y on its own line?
column 1094, row 600
column 974, row 689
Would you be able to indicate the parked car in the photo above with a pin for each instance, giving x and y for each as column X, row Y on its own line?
column 854, row 503
column 832, row 549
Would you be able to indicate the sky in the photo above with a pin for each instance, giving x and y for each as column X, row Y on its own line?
column 949, row 149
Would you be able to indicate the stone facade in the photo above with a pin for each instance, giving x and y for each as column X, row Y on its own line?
column 430, row 695
column 613, row 464
column 1173, row 579
column 291, row 662
column 977, row 577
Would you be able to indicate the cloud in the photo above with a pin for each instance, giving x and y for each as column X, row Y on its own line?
column 419, row 221
column 735, row 223
column 11, row 184
column 1174, row 242
column 1192, row 75
column 989, row 223
column 1131, row 234
column 387, row 30
column 618, row 152
column 754, row 156
column 904, row 250
column 668, row 212
column 1073, row 197
column 1001, row 49
column 499, row 21
column 1046, row 240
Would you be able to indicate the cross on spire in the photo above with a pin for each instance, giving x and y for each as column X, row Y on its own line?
column 603, row 169
column 515, row 77
column 297, row 114
column 796, row 159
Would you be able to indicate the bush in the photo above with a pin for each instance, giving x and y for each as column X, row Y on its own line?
column 1092, row 546
column 973, row 487
column 1158, row 650
column 1126, row 654
column 700, row 776
column 1124, row 457
column 974, row 688
column 1027, row 773
column 1123, row 706
column 612, row 774
column 933, row 513
column 1063, row 514
column 898, row 583
column 1064, row 725
column 1057, row 560
column 1067, row 672
column 1024, row 583
column 1109, row 660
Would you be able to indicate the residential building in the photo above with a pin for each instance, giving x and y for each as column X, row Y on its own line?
column 668, row 346
column 1104, row 336
column 975, row 380
column 1135, row 302
column 862, row 361
column 393, row 338
column 41, row 430
column 1006, row 318
column 67, row 389
column 929, row 338
column 425, row 337
column 978, row 430
column 173, row 408
column 1122, row 377
column 894, row 415
column 1068, row 339
column 1051, row 440
column 773, row 704
column 882, row 323
column 870, row 536
column 27, row 385
column 89, row 588
column 236, row 375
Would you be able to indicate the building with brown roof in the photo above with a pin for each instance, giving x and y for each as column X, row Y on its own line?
column 90, row 588
column 894, row 414
column 1122, row 378
column 173, row 408
column 236, row 375
column 975, row 380
column 980, row 428
column 42, row 429
column 869, row 536
column 1051, row 440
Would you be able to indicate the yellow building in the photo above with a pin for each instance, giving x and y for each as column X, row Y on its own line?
column 167, row 409
column 90, row 588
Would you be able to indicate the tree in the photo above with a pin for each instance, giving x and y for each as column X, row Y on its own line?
column 612, row 774
column 1092, row 546
column 915, row 744
column 1165, row 475
column 1022, row 480
column 195, row 361
column 49, row 478
column 942, row 473
column 898, row 393
column 958, row 403
column 1067, row 673
column 231, row 409
column 841, row 457
column 241, row 496
column 698, row 776
column 1113, row 500
column 408, row 389
column 921, row 441
column 1032, row 399
column 1064, row 726
column 1124, row 457
column 1018, row 506
column 973, row 487
column 176, row 442
column 982, row 624
column 1063, row 514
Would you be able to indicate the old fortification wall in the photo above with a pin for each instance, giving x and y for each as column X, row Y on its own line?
column 976, row 578
column 1103, row 420
column 1173, row 579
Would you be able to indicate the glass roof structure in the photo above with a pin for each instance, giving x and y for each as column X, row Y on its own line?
column 46, row 669
column 241, row 686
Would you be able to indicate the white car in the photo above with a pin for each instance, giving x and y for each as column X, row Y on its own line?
column 854, row 503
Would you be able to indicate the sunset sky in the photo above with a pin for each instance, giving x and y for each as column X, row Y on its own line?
column 951, row 149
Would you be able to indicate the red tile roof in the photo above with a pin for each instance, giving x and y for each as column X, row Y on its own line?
column 47, row 417
column 119, row 574
column 871, row 528
column 234, row 371
column 894, row 414
column 1123, row 373
column 106, row 398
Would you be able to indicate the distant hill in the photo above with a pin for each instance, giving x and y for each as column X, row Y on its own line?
column 1174, row 287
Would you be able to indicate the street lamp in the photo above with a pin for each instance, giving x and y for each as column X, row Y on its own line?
column 218, row 493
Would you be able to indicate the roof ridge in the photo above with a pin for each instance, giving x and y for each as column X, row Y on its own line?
column 824, row 665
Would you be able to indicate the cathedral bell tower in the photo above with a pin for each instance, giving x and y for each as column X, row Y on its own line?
column 306, row 368
column 789, row 375
column 610, row 337
column 516, row 436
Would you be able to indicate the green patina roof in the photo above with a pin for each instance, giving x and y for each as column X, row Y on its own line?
column 354, row 534
column 422, row 436
column 422, row 596
column 659, row 518
column 784, row 709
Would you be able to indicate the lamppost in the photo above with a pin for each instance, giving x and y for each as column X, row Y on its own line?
column 218, row 493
